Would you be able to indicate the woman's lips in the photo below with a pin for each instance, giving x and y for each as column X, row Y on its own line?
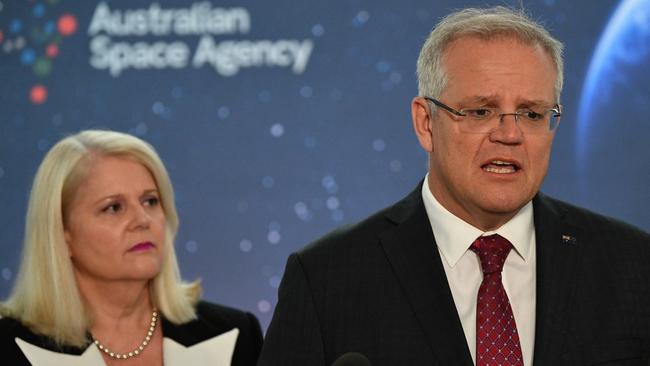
column 142, row 246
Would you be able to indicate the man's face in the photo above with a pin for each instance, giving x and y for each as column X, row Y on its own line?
column 466, row 171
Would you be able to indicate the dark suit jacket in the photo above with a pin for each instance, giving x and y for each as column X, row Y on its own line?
column 379, row 288
column 212, row 321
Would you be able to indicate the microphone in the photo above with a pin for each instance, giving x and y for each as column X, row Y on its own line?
column 352, row 359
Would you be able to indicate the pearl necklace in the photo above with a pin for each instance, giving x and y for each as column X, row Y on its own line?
column 139, row 349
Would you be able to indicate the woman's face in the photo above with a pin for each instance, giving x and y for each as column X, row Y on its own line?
column 115, row 224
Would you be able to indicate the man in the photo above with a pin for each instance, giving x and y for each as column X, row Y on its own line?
column 474, row 267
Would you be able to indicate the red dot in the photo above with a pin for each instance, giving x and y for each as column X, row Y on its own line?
column 67, row 24
column 52, row 50
column 2, row 36
column 38, row 94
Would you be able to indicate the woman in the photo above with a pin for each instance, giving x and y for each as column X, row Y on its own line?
column 99, row 281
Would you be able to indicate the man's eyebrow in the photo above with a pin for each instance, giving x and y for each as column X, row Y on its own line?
column 479, row 99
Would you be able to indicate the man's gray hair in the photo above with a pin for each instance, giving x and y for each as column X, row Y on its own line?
column 484, row 23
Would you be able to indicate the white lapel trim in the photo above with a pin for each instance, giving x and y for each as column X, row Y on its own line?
column 38, row 356
column 216, row 351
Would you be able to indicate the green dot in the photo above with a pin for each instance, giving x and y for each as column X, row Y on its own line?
column 42, row 67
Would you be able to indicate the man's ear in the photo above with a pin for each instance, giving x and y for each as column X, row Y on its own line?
column 422, row 122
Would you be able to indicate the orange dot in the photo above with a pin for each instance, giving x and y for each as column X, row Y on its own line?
column 38, row 94
column 52, row 50
column 67, row 24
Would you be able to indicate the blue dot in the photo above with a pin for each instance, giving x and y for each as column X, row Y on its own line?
column 268, row 181
column 42, row 144
column 379, row 145
column 306, row 91
column 263, row 306
column 274, row 281
column 223, row 112
column 329, row 184
column 310, row 142
column 49, row 27
column 277, row 130
column 177, row 92
column 141, row 129
column 274, row 226
column 27, row 56
column 317, row 30
column 38, row 10
column 245, row 245
column 191, row 246
column 382, row 66
column 360, row 19
column 15, row 26
column 6, row 274
column 2, row 172
column 549, row 2
column 158, row 108
column 264, row 96
column 333, row 203
column 302, row 211
column 273, row 237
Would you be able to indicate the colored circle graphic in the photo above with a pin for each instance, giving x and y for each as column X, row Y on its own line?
column 42, row 67
column 67, row 24
column 52, row 50
column 612, row 131
column 38, row 94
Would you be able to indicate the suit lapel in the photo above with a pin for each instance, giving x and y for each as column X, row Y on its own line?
column 558, row 245
column 413, row 254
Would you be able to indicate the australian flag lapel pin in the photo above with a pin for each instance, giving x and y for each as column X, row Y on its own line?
column 569, row 239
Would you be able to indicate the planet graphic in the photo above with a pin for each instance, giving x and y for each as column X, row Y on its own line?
column 613, row 123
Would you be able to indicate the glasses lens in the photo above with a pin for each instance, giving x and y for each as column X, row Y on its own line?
column 554, row 121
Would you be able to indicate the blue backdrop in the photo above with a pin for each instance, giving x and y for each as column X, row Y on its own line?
column 279, row 121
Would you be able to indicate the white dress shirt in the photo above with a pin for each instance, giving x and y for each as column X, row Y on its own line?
column 463, row 269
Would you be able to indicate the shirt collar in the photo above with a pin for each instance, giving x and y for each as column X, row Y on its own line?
column 454, row 236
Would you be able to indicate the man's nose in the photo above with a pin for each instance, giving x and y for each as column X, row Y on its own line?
column 508, row 131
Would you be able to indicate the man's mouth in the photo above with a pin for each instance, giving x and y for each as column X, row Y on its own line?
column 500, row 167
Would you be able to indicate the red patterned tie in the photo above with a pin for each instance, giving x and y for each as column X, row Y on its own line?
column 497, row 340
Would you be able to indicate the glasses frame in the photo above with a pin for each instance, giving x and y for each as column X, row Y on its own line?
column 557, row 110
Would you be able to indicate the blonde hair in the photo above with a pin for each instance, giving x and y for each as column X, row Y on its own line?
column 45, row 297
column 487, row 24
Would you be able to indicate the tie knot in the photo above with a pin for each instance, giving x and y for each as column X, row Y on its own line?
column 492, row 251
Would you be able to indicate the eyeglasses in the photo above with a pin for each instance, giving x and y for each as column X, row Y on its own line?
column 531, row 120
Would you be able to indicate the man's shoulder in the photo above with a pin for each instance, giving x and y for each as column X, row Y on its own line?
column 365, row 234
column 588, row 221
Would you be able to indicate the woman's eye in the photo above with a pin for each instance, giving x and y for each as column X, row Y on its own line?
column 112, row 208
column 152, row 201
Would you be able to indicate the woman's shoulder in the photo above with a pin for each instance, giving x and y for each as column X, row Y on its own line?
column 223, row 327
column 16, row 339
column 212, row 320
column 224, row 316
